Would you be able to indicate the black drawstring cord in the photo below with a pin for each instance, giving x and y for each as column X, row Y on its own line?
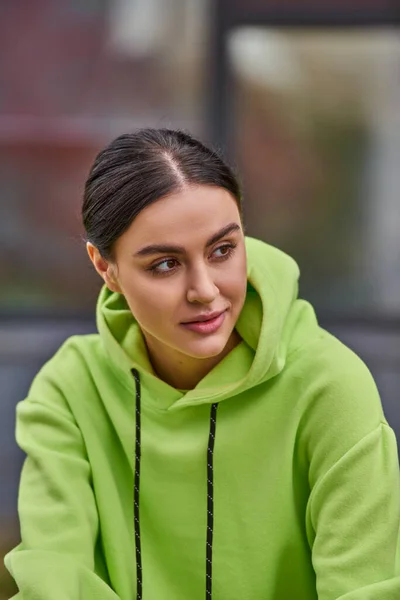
column 139, row 584
column 210, row 495
column 210, row 501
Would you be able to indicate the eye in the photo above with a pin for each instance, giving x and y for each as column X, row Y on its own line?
column 223, row 252
column 164, row 267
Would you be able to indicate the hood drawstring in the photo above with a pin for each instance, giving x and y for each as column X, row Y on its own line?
column 210, row 500
column 210, row 494
column 136, row 491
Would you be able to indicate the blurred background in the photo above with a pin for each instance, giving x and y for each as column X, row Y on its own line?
column 303, row 96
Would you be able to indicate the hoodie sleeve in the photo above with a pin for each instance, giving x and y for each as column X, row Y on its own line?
column 355, row 516
column 353, row 512
column 57, row 510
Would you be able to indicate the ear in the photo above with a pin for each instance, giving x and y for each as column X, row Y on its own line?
column 104, row 268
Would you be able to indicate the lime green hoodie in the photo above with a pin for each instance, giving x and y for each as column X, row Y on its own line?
column 275, row 478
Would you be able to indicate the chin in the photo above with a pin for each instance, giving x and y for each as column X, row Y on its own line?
column 206, row 348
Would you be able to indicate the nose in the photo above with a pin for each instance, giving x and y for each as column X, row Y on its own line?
column 201, row 287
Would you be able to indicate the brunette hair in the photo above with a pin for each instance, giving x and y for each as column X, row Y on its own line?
column 137, row 169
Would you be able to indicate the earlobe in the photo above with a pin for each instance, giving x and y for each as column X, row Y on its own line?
column 103, row 267
column 110, row 280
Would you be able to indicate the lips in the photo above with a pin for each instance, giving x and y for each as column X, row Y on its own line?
column 206, row 325
column 204, row 318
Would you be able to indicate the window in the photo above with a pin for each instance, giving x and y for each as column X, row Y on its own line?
column 80, row 74
column 317, row 139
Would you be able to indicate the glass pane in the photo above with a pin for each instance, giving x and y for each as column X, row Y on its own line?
column 317, row 139
column 81, row 73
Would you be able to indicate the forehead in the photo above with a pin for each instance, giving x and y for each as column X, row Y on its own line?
column 186, row 216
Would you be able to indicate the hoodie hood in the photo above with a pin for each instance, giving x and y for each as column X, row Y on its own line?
column 267, row 324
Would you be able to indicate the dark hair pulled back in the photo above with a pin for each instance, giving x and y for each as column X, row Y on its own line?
column 137, row 169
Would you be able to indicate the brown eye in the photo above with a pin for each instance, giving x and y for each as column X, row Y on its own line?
column 223, row 251
column 164, row 267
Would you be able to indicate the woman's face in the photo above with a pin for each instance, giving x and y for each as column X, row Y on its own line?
column 181, row 266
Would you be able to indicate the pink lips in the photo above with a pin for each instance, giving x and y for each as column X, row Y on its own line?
column 209, row 326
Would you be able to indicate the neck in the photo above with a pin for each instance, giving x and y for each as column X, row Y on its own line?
column 184, row 372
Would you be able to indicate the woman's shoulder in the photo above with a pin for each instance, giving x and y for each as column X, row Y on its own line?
column 321, row 361
column 76, row 388
column 333, row 364
column 72, row 367
column 74, row 355
column 337, row 392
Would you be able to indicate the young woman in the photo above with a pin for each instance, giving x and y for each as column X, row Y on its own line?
column 211, row 441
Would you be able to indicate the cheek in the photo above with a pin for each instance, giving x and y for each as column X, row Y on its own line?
column 233, row 283
column 151, row 301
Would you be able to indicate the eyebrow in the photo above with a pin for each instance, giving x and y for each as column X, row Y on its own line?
column 167, row 249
